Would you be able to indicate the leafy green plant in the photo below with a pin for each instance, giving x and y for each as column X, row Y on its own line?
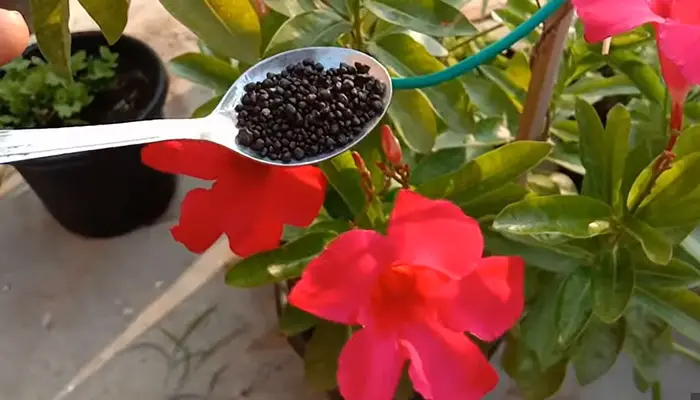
column 32, row 95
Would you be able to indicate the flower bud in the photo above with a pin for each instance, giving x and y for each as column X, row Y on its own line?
column 261, row 7
column 359, row 162
column 391, row 146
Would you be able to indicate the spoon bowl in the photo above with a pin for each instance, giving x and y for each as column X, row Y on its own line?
column 219, row 127
column 329, row 57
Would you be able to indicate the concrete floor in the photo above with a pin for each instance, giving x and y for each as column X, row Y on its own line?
column 63, row 299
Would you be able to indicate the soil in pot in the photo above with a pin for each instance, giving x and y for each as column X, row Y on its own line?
column 109, row 192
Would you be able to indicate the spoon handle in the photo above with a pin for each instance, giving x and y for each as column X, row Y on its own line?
column 26, row 144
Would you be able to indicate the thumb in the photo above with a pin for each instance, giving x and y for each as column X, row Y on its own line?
column 14, row 35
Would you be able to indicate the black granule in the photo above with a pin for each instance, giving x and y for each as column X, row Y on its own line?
column 306, row 110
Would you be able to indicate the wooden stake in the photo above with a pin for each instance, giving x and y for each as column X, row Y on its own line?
column 544, row 64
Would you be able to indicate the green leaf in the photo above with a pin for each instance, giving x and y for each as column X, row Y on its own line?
column 270, row 23
column 229, row 27
column 551, row 184
column 342, row 7
column 593, row 152
column 676, row 274
column 513, row 18
column 690, row 248
column 540, row 331
column 679, row 308
column 344, row 177
column 437, row 164
column 207, row 108
column 571, row 216
column 613, row 284
column 495, row 201
column 490, row 132
column 204, row 49
column 597, row 350
column 647, row 140
column 313, row 28
column 413, row 119
column 291, row 8
column 540, row 257
column 567, row 156
column 565, row 130
column 656, row 247
column 534, row 382
column 321, row 358
column 688, row 142
column 603, row 152
column 596, row 87
column 426, row 16
column 205, row 70
column 110, row 15
column 487, row 172
column 644, row 76
column 574, row 307
column 50, row 22
column 640, row 383
column 277, row 265
column 431, row 45
column 490, row 99
column 647, row 341
column 617, row 133
column 407, row 57
column 673, row 200
column 294, row 321
column 511, row 89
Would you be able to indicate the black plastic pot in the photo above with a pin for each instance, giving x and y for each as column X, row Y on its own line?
column 107, row 193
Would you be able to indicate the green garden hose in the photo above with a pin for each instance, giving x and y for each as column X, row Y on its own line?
column 485, row 55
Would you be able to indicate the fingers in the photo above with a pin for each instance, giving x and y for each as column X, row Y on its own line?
column 14, row 35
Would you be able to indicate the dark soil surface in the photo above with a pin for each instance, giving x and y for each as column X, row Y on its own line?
column 122, row 102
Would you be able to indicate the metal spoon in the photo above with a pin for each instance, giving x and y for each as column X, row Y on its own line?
column 219, row 127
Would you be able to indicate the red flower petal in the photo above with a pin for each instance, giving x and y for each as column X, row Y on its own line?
column 337, row 284
column 198, row 159
column 199, row 225
column 605, row 18
column 250, row 202
column 685, row 11
column 435, row 234
column 298, row 194
column 678, row 85
column 674, row 41
column 208, row 214
column 490, row 300
column 370, row 367
column 446, row 365
column 248, row 212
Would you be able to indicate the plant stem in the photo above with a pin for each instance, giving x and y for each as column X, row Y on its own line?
column 686, row 352
column 475, row 37
column 357, row 26
column 663, row 162
column 656, row 391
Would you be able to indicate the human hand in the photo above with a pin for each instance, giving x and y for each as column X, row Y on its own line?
column 14, row 35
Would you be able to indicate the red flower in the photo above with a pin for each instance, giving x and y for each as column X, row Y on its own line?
column 677, row 26
column 249, row 202
column 415, row 291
